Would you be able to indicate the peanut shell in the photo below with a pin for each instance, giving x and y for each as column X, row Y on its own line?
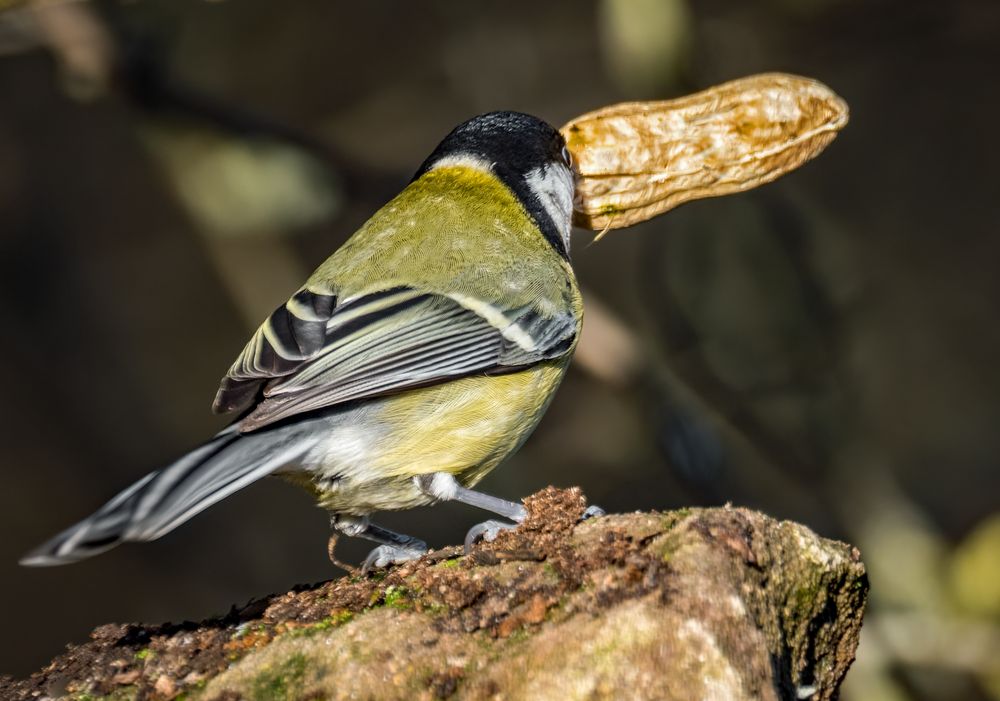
column 636, row 160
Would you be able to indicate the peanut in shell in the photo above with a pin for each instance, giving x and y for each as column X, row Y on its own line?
column 636, row 160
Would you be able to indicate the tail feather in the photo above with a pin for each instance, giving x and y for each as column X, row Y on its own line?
column 161, row 501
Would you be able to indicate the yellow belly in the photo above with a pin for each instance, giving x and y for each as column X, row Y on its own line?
column 466, row 428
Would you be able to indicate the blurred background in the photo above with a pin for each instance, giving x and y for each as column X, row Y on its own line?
column 823, row 348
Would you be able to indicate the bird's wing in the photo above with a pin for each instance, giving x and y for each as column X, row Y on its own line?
column 313, row 353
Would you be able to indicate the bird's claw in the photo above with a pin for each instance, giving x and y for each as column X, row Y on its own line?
column 487, row 530
column 386, row 555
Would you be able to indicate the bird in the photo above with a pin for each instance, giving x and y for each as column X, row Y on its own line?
column 417, row 358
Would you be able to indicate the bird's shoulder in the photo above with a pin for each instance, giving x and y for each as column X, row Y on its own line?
column 453, row 230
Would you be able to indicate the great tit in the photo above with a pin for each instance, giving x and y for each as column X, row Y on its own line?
column 412, row 362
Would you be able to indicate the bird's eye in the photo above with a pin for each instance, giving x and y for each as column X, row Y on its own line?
column 567, row 157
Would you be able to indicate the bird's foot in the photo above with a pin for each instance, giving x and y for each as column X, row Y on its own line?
column 487, row 530
column 386, row 555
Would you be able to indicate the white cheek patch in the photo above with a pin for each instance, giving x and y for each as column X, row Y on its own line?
column 554, row 187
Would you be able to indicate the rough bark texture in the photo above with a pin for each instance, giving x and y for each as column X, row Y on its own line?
column 695, row 604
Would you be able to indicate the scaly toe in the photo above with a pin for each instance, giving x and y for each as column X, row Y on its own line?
column 386, row 555
column 487, row 530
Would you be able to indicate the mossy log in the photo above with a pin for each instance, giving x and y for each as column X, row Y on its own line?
column 694, row 604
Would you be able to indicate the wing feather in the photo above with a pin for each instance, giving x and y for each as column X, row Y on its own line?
column 310, row 354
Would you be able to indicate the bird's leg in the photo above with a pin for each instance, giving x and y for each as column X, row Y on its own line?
column 393, row 548
column 445, row 487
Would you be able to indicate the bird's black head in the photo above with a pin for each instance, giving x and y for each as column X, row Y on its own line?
column 527, row 155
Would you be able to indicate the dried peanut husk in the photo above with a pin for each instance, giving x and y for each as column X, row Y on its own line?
column 636, row 160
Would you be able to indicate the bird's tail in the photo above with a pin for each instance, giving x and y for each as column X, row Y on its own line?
column 163, row 500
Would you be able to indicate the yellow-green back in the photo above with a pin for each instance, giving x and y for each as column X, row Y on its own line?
column 455, row 229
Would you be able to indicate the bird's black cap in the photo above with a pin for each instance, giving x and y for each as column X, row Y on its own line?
column 510, row 140
column 514, row 144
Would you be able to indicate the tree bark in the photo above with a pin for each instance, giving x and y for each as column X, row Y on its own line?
column 693, row 604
